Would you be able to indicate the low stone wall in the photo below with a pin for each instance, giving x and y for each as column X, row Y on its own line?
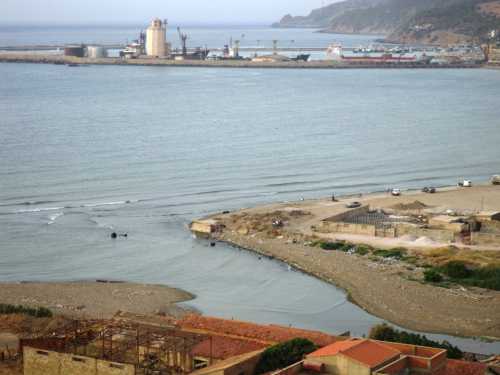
column 43, row 362
column 483, row 238
column 439, row 235
column 348, row 228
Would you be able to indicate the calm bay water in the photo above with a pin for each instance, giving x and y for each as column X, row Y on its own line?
column 144, row 150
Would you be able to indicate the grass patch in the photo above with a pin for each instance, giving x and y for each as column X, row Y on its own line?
column 397, row 253
column 460, row 273
column 362, row 249
column 37, row 312
column 432, row 276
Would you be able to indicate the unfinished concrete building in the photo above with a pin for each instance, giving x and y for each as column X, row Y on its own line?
column 415, row 221
column 114, row 348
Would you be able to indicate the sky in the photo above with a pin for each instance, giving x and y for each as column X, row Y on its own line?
column 176, row 11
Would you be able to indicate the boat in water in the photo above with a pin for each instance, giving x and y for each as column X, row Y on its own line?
column 335, row 52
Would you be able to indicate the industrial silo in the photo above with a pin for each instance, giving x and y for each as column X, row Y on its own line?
column 96, row 52
column 156, row 39
column 74, row 51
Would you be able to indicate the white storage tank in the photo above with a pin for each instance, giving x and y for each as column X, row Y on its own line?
column 96, row 52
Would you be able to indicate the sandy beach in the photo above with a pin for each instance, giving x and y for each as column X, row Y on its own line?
column 100, row 300
column 391, row 290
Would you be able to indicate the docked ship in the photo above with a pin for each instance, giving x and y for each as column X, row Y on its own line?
column 335, row 52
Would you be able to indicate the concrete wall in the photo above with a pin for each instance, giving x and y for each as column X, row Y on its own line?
column 490, row 226
column 111, row 368
column 485, row 239
column 43, row 362
column 349, row 366
column 395, row 368
column 76, row 365
column 440, row 235
column 40, row 362
column 348, row 228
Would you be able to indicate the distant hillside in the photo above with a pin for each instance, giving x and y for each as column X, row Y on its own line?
column 411, row 21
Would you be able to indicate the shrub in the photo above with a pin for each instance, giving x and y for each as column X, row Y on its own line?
column 385, row 333
column 362, row 249
column 393, row 253
column 332, row 245
column 456, row 270
column 284, row 354
column 432, row 275
column 37, row 312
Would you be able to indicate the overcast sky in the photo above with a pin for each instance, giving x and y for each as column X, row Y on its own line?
column 117, row 11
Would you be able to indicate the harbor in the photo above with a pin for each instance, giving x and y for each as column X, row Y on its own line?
column 157, row 47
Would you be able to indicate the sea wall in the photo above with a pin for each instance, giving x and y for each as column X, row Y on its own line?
column 323, row 64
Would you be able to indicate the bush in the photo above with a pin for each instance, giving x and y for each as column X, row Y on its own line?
column 385, row 333
column 456, row 270
column 332, row 245
column 284, row 354
column 432, row 275
column 397, row 253
column 37, row 312
column 362, row 249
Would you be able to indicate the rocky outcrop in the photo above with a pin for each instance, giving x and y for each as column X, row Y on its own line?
column 406, row 21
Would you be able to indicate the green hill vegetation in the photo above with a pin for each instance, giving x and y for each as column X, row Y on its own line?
column 423, row 21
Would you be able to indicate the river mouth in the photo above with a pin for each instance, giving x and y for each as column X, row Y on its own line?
column 86, row 153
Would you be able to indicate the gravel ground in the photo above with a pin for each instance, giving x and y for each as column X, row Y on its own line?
column 389, row 291
column 95, row 299
column 380, row 289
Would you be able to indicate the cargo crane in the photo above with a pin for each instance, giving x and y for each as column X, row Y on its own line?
column 183, row 38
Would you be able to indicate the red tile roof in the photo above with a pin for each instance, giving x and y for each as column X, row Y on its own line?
column 223, row 347
column 367, row 352
column 455, row 367
column 334, row 348
column 270, row 334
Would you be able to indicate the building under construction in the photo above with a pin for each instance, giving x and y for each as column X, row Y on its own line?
column 145, row 345
column 114, row 347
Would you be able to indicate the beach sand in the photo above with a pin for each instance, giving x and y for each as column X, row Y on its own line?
column 95, row 299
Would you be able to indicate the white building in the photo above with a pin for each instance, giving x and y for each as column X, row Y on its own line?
column 156, row 39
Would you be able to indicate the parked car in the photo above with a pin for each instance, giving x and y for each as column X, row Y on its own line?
column 465, row 183
column 430, row 190
column 353, row 205
column 396, row 192
column 495, row 180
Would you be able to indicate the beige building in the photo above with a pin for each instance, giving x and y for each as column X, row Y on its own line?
column 156, row 39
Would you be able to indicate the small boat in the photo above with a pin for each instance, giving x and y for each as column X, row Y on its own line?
column 73, row 65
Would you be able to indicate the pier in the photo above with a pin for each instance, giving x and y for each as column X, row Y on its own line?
column 39, row 58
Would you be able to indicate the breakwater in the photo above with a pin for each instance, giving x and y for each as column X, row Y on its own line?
column 38, row 58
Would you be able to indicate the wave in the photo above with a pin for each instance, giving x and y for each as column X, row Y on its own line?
column 39, row 209
column 91, row 205
column 27, row 203
column 53, row 218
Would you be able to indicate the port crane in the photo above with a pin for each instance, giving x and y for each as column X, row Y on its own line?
column 183, row 38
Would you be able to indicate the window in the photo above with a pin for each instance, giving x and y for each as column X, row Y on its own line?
column 77, row 359
column 200, row 363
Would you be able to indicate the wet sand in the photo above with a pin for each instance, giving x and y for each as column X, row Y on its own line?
column 392, row 291
column 95, row 299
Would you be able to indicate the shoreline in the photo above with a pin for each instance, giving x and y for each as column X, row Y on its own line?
column 96, row 299
column 383, row 290
column 34, row 58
